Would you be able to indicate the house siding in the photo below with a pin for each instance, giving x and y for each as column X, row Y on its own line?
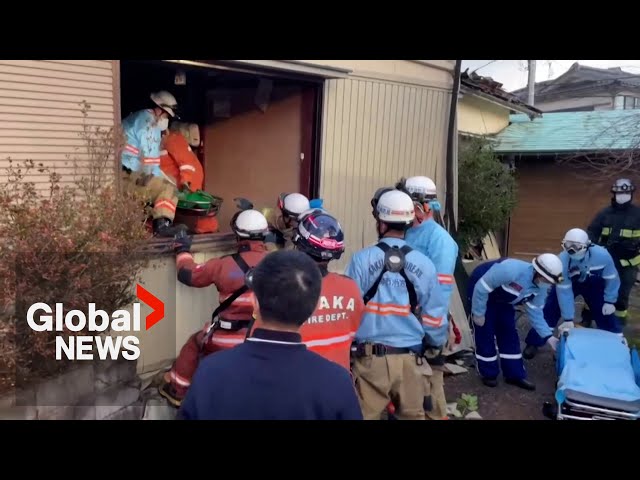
column 477, row 116
column 40, row 111
column 374, row 133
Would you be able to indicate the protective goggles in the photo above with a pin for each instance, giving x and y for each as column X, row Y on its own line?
column 573, row 247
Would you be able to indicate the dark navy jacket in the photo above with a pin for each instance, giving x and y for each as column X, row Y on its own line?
column 271, row 376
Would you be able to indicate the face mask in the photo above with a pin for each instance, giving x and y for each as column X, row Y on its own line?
column 543, row 285
column 622, row 198
column 163, row 124
column 578, row 256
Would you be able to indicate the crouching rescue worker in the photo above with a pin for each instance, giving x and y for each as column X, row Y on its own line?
column 330, row 329
column 283, row 221
column 178, row 162
column 232, row 318
column 494, row 288
column 587, row 270
column 141, row 161
column 403, row 308
column 617, row 228
column 432, row 240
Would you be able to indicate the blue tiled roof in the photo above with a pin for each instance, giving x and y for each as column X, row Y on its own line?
column 571, row 132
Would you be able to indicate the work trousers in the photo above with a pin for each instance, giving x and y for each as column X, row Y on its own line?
column 592, row 291
column 628, row 277
column 499, row 328
column 157, row 190
column 192, row 351
column 435, row 407
column 393, row 378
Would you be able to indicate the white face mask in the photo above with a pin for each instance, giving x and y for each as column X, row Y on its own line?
column 578, row 256
column 163, row 124
column 622, row 198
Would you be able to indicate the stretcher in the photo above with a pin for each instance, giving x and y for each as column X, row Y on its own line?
column 598, row 377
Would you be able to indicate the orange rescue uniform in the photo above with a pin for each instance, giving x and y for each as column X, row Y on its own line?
column 180, row 163
column 330, row 330
column 228, row 277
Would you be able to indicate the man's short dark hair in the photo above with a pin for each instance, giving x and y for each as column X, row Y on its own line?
column 287, row 284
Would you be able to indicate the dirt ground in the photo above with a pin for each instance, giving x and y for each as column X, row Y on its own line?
column 506, row 402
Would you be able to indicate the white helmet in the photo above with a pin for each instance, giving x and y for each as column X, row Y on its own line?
column 420, row 187
column 576, row 240
column 293, row 204
column 166, row 102
column 189, row 131
column 395, row 207
column 250, row 224
column 549, row 266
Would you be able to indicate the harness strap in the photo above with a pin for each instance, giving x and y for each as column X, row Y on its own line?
column 413, row 297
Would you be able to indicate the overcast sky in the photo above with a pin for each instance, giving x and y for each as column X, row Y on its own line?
column 512, row 73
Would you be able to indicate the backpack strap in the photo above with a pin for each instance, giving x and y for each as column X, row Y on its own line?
column 232, row 298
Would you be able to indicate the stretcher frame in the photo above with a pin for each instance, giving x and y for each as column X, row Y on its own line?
column 573, row 409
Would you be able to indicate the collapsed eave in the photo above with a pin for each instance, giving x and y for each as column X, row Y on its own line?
column 528, row 110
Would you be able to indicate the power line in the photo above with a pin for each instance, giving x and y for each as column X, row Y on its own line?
column 485, row 65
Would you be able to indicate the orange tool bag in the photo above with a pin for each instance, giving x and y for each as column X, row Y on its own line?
column 198, row 211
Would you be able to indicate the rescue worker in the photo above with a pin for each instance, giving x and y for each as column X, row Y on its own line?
column 432, row 240
column 617, row 228
column 233, row 316
column 141, row 160
column 273, row 375
column 330, row 329
column 178, row 162
column 403, row 308
column 283, row 221
column 587, row 270
column 494, row 288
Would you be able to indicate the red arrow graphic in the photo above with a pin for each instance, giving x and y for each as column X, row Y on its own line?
column 151, row 300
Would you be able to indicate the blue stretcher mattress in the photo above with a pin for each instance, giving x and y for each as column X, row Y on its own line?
column 595, row 364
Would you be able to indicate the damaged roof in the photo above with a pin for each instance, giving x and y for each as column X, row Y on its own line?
column 565, row 132
column 489, row 89
column 580, row 78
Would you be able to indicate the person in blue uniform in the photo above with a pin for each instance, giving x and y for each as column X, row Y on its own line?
column 494, row 288
column 430, row 238
column 272, row 375
column 140, row 161
column 404, row 307
column 587, row 270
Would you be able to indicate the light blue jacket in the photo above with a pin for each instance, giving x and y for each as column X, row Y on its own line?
column 388, row 318
column 514, row 278
column 597, row 262
column 434, row 241
column 141, row 152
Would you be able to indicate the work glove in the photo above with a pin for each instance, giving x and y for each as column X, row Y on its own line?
column 553, row 342
column 566, row 326
column 182, row 242
column 478, row 320
column 608, row 309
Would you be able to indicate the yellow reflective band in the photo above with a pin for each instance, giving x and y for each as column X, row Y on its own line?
column 606, row 231
column 621, row 313
column 635, row 261
column 625, row 233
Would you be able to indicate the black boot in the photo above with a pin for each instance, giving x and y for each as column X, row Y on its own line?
column 521, row 383
column 163, row 227
column 490, row 382
column 529, row 352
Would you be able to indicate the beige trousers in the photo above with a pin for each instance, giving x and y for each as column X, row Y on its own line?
column 157, row 190
column 396, row 378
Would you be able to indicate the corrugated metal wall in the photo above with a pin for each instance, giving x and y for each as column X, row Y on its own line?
column 40, row 111
column 374, row 133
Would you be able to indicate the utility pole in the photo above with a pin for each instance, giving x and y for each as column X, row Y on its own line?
column 532, row 81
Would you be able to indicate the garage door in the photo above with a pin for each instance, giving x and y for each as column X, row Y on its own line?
column 551, row 200
column 41, row 116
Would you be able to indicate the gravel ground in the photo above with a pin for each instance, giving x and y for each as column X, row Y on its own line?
column 506, row 402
